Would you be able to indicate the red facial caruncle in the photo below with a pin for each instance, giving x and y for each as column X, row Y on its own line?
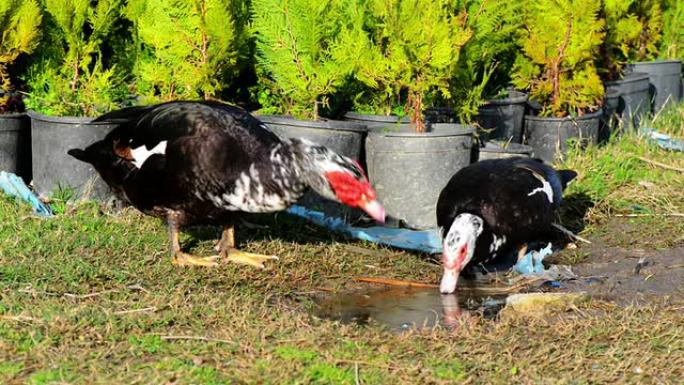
column 455, row 262
column 356, row 193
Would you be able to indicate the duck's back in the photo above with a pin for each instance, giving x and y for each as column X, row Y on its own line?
column 516, row 197
column 201, row 157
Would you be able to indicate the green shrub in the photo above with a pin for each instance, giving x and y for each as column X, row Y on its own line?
column 559, row 44
column 71, row 76
column 650, row 15
column 299, row 44
column 487, row 58
column 632, row 34
column 19, row 32
column 672, row 44
column 182, row 46
column 408, row 56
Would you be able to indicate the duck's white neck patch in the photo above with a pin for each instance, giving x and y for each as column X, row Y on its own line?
column 140, row 154
column 545, row 187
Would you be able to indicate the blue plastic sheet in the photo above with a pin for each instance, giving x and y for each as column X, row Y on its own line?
column 427, row 241
column 14, row 186
column 664, row 141
column 531, row 263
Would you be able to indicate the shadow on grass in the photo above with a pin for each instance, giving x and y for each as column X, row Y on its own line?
column 264, row 227
column 573, row 211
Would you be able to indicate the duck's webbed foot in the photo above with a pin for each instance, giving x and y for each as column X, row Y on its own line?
column 227, row 250
column 178, row 257
column 245, row 258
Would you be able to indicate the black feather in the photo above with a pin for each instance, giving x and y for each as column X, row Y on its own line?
column 498, row 191
column 210, row 149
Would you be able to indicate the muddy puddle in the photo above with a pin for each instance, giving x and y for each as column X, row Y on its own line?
column 627, row 277
column 407, row 308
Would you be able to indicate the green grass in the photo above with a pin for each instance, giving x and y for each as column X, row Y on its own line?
column 614, row 180
column 90, row 297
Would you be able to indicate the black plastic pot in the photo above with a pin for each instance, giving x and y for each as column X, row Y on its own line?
column 381, row 123
column 549, row 136
column 610, row 118
column 345, row 138
column 53, row 169
column 664, row 77
column 409, row 170
column 499, row 150
column 634, row 98
column 15, row 144
column 503, row 118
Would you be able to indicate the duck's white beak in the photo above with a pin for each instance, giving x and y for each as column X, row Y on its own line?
column 374, row 209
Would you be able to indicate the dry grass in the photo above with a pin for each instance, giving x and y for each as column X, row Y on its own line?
column 91, row 298
column 615, row 181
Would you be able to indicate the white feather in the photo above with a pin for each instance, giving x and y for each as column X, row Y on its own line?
column 545, row 188
column 141, row 153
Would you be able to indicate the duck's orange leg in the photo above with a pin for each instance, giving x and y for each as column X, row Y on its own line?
column 178, row 257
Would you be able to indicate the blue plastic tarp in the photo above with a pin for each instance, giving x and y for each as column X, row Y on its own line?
column 14, row 186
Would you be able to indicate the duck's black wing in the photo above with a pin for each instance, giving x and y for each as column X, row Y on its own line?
column 150, row 125
column 515, row 196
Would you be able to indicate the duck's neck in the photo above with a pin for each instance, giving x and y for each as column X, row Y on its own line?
column 308, row 165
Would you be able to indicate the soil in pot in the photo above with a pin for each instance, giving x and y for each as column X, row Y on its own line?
column 381, row 123
column 498, row 150
column 664, row 77
column 549, row 137
column 634, row 98
column 502, row 119
column 345, row 138
column 408, row 170
column 15, row 144
column 440, row 115
column 53, row 168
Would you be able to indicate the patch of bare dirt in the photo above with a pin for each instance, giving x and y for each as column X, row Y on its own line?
column 632, row 276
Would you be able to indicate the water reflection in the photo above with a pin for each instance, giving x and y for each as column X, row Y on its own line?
column 406, row 308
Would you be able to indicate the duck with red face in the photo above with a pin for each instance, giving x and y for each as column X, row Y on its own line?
column 209, row 163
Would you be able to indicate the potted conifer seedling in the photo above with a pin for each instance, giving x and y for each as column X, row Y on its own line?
column 632, row 31
column 559, row 43
column 167, row 67
column 298, row 57
column 664, row 71
column 299, row 63
column 19, row 33
column 480, row 84
column 70, row 83
column 405, row 59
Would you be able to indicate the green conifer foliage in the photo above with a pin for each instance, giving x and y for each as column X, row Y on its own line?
column 672, row 44
column 487, row 58
column 19, row 31
column 299, row 51
column 633, row 30
column 622, row 36
column 183, row 47
column 71, row 76
column 411, row 51
column 559, row 43
column 650, row 15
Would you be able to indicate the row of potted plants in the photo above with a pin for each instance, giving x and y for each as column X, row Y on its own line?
column 398, row 74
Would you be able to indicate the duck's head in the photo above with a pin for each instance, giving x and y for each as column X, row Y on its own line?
column 458, row 248
column 109, row 160
column 339, row 178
